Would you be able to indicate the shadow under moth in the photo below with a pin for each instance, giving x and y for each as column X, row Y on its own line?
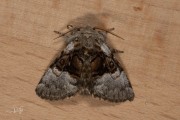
column 86, row 65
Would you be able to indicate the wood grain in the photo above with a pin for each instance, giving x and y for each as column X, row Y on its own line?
column 151, row 29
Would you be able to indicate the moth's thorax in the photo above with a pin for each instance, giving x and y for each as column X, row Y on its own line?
column 86, row 63
column 86, row 44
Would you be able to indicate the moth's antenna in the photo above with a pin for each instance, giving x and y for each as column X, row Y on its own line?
column 108, row 31
column 70, row 27
column 61, row 34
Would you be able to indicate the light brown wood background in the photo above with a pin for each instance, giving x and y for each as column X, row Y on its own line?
column 152, row 57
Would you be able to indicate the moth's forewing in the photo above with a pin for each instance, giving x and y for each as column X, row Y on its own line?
column 57, row 83
column 113, row 85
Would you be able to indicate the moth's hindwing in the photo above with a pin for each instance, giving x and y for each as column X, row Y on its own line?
column 113, row 85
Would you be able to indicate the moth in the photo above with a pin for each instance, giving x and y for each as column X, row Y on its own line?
column 87, row 65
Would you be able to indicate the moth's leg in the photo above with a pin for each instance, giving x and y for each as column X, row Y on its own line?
column 110, row 29
column 117, row 51
column 57, row 32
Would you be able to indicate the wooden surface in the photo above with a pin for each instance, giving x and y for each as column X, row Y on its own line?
column 151, row 29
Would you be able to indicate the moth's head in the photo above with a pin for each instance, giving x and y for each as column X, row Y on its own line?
column 84, row 34
column 87, row 33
